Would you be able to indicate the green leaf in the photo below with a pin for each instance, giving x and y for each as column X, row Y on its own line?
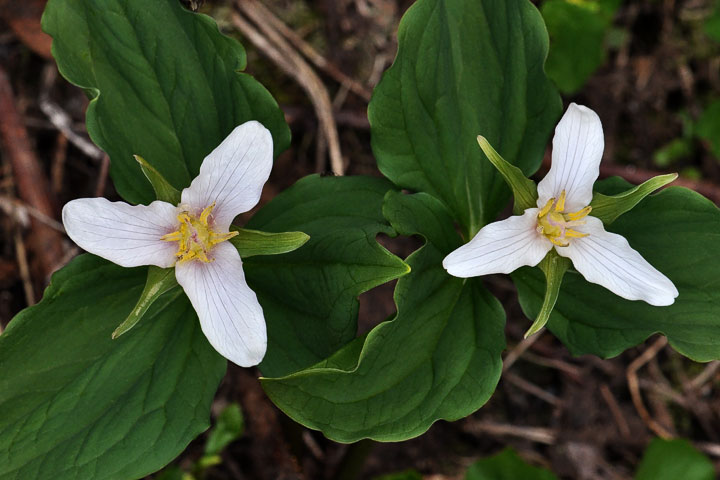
column 438, row 358
column 678, row 232
column 506, row 465
column 229, row 427
column 309, row 296
column 609, row 207
column 158, row 281
column 577, row 36
column 163, row 190
column 672, row 460
column 464, row 68
column 524, row 190
column 251, row 242
column 76, row 404
column 164, row 84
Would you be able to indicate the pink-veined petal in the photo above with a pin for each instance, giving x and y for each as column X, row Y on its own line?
column 233, row 174
column 608, row 259
column 500, row 247
column 230, row 315
column 128, row 235
column 577, row 150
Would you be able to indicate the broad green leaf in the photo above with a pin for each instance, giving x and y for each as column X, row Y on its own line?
column 506, row 465
column 77, row 404
column 251, row 242
column 577, row 39
column 464, row 68
column 674, row 460
column 309, row 296
column 164, row 84
column 678, row 232
column 229, row 427
column 524, row 189
column 438, row 358
column 158, row 281
column 163, row 190
column 609, row 207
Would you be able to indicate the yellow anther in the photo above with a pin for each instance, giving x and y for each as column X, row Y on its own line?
column 575, row 234
column 548, row 206
column 206, row 213
column 580, row 213
column 195, row 236
column 556, row 225
column 560, row 204
column 559, row 241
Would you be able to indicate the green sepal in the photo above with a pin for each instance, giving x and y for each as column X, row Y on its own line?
column 254, row 242
column 609, row 207
column 159, row 280
column 163, row 190
column 554, row 267
column 524, row 189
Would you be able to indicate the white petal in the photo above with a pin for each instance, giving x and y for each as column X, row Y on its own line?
column 233, row 174
column 230, row 315
column 608, row 259
column 500, row 247
column 577, row 150
column 124, row 234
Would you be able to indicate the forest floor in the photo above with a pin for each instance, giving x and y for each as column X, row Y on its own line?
column 585, row 418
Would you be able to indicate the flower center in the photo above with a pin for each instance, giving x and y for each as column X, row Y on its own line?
column 556, row 225
column 195, row 236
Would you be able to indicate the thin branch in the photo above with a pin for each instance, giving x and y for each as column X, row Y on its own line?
column 62, row 120
column 634, row 387
column 272, row 44
column 320, row 61
column 534, row 434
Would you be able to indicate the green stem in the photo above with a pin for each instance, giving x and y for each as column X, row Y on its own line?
column 554, row 267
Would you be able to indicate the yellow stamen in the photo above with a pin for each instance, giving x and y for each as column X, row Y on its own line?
column 556, row 225
column 560, row 204
column 580, row 213
column 575, row 234
column 195, row 236
column 558, row 241
column 548, row 206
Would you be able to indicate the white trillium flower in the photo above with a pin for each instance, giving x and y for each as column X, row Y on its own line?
column 192, row 238
column 562, row 221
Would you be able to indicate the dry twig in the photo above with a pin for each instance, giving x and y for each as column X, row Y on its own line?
column 615, row 410
column 518, row 350
column 287, row 58
column 24, row 268
column 534, row 434
column 531, row 388
column 61, row 119
column 33, row 187
column 320, row 61
column 634, row 387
